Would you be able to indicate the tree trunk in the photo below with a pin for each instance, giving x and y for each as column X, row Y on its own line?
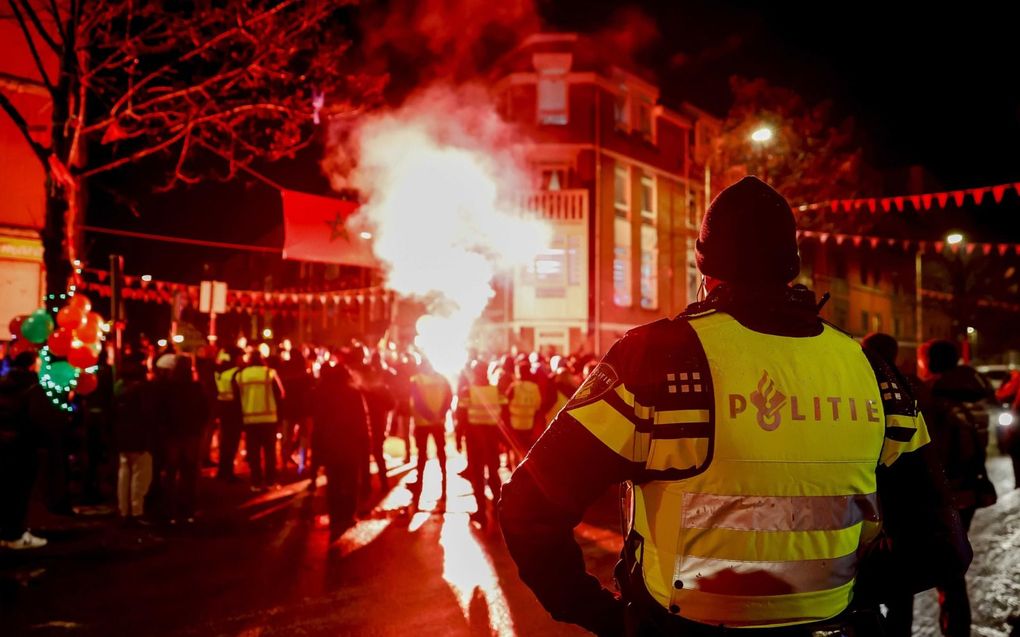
column 58, row 269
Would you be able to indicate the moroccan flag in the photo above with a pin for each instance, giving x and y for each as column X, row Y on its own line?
column 319, row 229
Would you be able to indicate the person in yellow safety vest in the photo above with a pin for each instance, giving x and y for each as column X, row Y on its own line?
column 431, row 397
column 259, row 389
column 228, row 411
column 522, row 411
column 756, row 442
column 480, row 406
column 563, row 383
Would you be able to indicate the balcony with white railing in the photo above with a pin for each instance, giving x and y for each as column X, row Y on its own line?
column 557, row 205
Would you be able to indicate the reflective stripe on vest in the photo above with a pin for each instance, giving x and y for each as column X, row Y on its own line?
column 483, row 404
column 524, row 403
column 225, row 384
column 258, row 403
column 429, row 393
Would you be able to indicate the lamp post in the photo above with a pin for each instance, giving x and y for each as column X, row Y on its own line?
column 761, row 137
column 958, row 285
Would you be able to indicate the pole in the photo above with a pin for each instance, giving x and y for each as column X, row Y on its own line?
column 116, row 308
column 918, row 330
column 595, row 212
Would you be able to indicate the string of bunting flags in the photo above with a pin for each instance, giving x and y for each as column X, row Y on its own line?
column 281, row 303
column 910, row 245
column 920, row 203
column 947, row 296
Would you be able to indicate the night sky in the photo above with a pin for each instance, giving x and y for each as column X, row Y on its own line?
column 926, row 86
column 929, row 85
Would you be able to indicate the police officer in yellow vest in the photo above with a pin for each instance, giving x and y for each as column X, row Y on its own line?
column 524, row 398
column 755, row 440
column 480, row 412
column 228, row 410
column 431, row 397
column 259, row 390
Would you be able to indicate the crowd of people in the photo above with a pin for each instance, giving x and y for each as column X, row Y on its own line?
column 141, row 440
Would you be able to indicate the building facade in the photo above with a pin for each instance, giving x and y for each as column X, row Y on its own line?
column 616, row 175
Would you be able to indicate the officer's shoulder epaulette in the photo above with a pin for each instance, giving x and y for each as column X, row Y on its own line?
column 647, row 329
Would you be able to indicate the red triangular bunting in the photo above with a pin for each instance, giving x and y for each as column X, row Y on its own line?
column 834, row 205
column 986, row 248
column 958, row 196
column 886, row 202
column 847, row 204
column 899, row 203
column 939, row 245
column 970, row 247
column 926, row 201
column 942, row 198
column 857, row 240
column 1003, row 248
column 1016, row 249
column 915, row 201
column 998, row 192
column 872, row 205
column 840, row 238
column 823, row 237
column 978, row 194
column 954, row 248
column 874, row 242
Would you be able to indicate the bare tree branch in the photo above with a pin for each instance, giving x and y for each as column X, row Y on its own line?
column 40, row 151
column 25, row 31
column 43, row 33
column 17, row 84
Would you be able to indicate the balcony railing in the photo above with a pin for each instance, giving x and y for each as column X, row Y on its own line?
column 557, row 205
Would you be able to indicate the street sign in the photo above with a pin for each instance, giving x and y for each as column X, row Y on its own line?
column 212, row 297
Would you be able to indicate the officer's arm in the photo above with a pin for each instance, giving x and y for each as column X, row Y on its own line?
column 278, row 386
column 928, row 542
column 584, row 451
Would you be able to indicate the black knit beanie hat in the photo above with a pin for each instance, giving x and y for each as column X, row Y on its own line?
column 749, row 235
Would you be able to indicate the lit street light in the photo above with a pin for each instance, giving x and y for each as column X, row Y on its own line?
column 267, row 333
column 762, row 135
column 954, row 238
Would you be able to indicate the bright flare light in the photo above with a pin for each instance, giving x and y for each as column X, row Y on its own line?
column 1005, row 419
column 366, row 235
column 178, row 338
column 161, row 342
column 971, row 330
column 443, row 178
column 954, row 238
column 267, row 333
column 762, row 135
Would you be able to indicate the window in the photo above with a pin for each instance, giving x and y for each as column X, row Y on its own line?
column 649, row 268
column 647, row 199
column 552, row 97
column 864, row 273
column 621, row 109
column 876, row 323
column 621, row 191
column 865, row 321
column 553, row 178
column 644, row 119
column 897, row 326
column 693, row 277
column 692, row 210
column 621, row 263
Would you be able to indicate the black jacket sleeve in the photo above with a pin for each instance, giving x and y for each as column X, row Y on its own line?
column 564, row 473
column 923, row 543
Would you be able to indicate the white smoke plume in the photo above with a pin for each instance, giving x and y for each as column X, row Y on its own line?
column 442, row 181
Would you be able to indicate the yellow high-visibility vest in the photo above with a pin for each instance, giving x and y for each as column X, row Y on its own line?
column 429, row 394
column 483, row 403
column 258, row 403
column 225, row 384
column 525, row 399
column 761, row 461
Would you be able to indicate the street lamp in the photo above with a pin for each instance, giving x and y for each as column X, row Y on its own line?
column 954, row 238
column 762, row 136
